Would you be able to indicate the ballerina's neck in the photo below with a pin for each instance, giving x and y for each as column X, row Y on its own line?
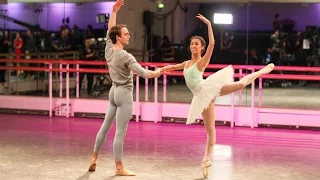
column 195, row 57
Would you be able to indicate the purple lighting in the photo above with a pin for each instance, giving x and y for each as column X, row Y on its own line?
column 50, row 18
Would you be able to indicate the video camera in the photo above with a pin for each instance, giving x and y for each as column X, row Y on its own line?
column 98, row 47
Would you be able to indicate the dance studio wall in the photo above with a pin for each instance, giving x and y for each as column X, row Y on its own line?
column 261, row 15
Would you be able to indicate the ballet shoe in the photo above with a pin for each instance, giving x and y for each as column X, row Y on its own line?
column 268, row 68
column 124, row 172
column 92, row 167
column 205, row 167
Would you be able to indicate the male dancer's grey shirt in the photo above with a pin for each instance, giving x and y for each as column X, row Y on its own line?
column 121, row 64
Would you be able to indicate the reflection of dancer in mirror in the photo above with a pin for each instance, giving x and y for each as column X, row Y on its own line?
column 206, row 90
column 120, row 64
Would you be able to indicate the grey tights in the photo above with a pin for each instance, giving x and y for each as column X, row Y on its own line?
column 120, row 108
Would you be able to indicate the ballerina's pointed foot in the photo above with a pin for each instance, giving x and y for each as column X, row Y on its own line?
column 92, row 167
column 268, row 68
column 124, row 172
column 205, row 168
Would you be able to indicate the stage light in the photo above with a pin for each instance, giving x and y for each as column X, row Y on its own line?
column 219, row 18
column 161, row 5
column 102, row 18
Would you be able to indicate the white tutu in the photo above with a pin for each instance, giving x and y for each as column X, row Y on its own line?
column 207, row 90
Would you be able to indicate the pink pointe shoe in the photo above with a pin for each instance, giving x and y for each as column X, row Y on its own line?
column 206, row 163
column 268, row 68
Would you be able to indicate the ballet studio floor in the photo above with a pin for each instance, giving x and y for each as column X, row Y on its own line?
column 39, row 147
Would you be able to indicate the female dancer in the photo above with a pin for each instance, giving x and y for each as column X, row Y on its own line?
column 205, row 91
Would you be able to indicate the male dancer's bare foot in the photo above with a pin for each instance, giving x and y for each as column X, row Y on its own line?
column 206, row 163
column 121, row 171
column 92, row 167
column 93, row 163
column 267, row 69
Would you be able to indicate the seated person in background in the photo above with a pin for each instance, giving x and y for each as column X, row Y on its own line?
column 299, row 49
column 64, row 42
column 167, row 50
column 226, row 48
column 253, row 58
column 274, row 47
column 168, row 54
column 88, row 55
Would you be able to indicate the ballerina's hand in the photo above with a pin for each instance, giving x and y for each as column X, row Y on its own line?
column 158, row 71
column 203, row 19
column 118, row 5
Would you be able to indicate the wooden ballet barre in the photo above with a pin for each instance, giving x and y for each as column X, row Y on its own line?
column 174, row 73
column 56, row 61
column 59, row 61
column 291, row 77
column 32, row 69
column 88, row 70
column 210, row 66
column 249, row 67
column 266, row 76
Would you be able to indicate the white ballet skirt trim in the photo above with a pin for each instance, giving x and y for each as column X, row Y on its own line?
column 207, row 90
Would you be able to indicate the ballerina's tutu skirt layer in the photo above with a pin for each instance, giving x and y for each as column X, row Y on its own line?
column 207, row 90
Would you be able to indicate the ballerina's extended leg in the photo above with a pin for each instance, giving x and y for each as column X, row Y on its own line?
column 246, row 80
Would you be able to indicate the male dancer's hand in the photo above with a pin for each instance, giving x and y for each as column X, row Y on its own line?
column 118, row 5
column 153, row 74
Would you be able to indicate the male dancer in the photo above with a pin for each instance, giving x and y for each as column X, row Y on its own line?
column 120, row 64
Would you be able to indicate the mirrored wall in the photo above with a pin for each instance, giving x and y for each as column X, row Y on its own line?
column 285, row 34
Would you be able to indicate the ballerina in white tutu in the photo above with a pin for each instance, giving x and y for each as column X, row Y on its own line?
column 206, row 90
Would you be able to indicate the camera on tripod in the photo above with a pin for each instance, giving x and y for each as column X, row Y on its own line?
column 97, row 46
